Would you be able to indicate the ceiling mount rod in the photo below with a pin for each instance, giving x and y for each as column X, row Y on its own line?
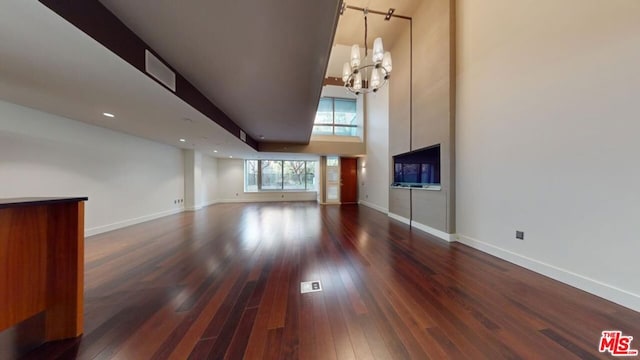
column 383, row 13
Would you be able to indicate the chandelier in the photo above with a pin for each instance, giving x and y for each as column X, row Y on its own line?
column 377, row 69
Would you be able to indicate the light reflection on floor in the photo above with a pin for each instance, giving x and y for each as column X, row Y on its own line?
column 274, row 226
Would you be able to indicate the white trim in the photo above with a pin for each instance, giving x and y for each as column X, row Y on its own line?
column 425, row 187
column 399, row 218
column 259, row 200
column 611, row 293
column 201, row 205
column 120, row 224
column 435, row 232
column 374, row 206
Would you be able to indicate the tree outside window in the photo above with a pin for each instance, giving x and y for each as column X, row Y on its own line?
column 272, row 175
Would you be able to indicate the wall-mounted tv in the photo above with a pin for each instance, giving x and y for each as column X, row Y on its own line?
column 418, row 168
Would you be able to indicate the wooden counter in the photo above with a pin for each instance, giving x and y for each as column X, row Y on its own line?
column 42, row 264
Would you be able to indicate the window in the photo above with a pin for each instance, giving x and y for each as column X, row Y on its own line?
column 271, row 175
column 336, row 116
column 274, row 175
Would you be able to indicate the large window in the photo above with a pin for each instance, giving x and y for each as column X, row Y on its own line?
column 274, row 175
column 336, row 116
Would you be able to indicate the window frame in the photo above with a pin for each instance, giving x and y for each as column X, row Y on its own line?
column 259, row 176
column 333, row 124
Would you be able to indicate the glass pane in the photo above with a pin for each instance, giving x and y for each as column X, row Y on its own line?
column 332, row 161
column 410, row 172
column 311, row 175
column 325, row 111
column 322, row 130
column 325, row 105
column 271, row 175
column 345, row 131
column 294, row 173
column 251, row 175
column 333, row 179
column 428, row 174
column 345, row 112
column 332, row 193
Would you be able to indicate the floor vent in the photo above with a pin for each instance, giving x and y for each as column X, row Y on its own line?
column 310, row 286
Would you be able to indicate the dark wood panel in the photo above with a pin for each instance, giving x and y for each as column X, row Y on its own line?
column 224, row 282
column 41, row 272
column 23, row 263
column 348, row 180
column 65, row 270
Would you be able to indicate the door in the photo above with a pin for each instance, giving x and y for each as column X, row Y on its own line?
column 348, row 180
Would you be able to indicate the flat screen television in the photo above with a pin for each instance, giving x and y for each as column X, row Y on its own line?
column 418, row 168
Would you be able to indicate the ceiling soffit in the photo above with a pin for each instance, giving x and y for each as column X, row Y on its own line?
column 262, row 63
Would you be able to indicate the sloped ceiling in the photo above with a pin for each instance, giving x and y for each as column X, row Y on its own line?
column 261, row 62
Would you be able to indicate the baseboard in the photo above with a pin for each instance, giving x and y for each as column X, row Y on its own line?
column 433, row 231
column 120, row 224
column 374, row 206
column 226, row 201
column 611, row 293
column 399, row 218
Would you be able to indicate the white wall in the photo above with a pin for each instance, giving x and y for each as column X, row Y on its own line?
column 547, row 138
column 231, row 186
column 210, row 182
column 127, row 179
column 374, row 175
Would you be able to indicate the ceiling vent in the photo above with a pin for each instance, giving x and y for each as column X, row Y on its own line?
column 161, row 72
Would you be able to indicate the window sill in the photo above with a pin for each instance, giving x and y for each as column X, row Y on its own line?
column 280, row 191
column 336, row 138
column 424, row 187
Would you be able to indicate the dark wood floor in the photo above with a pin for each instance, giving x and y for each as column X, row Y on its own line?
column 225, row 281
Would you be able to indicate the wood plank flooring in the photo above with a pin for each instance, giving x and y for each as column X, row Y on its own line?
column 224, row 282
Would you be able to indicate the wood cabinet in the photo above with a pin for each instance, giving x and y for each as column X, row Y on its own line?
column 42, row 264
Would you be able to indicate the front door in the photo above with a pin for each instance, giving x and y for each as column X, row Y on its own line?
column 348, row 180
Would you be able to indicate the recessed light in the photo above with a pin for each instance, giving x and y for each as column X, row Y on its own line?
column 215, row 150
column 108, row 114
column 230, row 156
column 182, row 140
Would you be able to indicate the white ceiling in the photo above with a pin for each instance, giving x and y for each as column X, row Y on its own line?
column 40, row 67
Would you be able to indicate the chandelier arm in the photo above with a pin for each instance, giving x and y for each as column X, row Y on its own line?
column 365, row 33
column 366, row 89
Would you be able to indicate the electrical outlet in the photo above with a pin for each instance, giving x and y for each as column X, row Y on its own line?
column 520, row 235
